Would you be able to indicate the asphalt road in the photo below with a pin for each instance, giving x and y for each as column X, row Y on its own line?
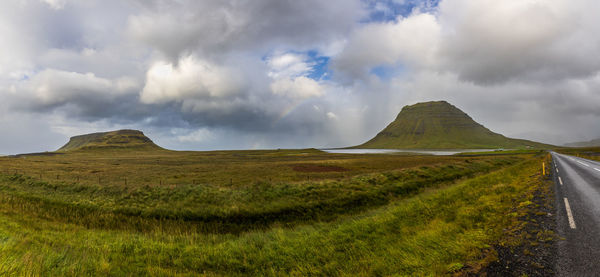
column 578, row 205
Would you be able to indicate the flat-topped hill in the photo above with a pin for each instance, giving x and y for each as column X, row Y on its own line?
column 440, row 125
column 121, row 139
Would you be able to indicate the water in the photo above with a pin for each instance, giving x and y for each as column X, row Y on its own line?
column 392, row 151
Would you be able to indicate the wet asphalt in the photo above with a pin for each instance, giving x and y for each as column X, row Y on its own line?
column 577, row 184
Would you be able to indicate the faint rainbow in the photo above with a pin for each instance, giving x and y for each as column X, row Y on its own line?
column 288, row 110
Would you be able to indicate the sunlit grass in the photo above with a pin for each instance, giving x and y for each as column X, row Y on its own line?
column 227, row 208
column 432, row 233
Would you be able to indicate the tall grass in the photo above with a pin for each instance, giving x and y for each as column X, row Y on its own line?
column 206, row 208
column 432, row 233
column 218, row 168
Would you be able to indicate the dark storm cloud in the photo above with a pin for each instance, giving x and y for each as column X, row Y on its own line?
column 208, row 27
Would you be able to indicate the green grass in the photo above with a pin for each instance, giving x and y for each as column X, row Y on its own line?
column 219, row 168
column 432, row 233
column 228, row 208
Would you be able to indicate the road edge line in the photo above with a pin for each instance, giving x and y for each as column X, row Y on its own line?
column 569, row 214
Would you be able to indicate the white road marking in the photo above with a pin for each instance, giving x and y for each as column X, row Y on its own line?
column 569, row 214
column 560, row 180
column 557, row 170
column 596, row 169
column 584, row 164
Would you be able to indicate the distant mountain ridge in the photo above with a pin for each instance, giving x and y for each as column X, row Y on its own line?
column 440, row 125
column 590, row 143
column 121, row 139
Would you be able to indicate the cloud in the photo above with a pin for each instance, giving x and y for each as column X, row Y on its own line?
column 56, row 4
column 411, row 41
column 299, row 87
column 289, row 72
column 197, row 136
column 487, row 42
column 218, row 27
column 491, row 42
column 289, row 65
column 75, row 95
column 190, row 79
column 51, row 88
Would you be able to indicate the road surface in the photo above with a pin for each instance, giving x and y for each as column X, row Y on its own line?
column 578, row 205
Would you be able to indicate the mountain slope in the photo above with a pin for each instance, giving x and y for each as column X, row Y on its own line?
column 440, row 125
column 121, row 139
column 591, row 143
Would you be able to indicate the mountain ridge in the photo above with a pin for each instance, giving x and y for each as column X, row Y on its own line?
column 441, row 125
column 589, row 143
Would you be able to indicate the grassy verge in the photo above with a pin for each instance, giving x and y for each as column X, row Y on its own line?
column 530, row 246
column 433, row 233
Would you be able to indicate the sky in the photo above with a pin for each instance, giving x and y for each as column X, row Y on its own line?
column 264, row 74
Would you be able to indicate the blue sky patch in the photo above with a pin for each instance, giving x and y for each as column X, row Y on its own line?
column 386, row 72
column 320, row 67
column 389, row 10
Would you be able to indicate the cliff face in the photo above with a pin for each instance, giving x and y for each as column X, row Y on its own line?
column 121, row 139
column 440, row 125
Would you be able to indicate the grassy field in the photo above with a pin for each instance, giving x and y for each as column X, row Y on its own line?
column 590, row 153
column 222, row 168
column 280, row 212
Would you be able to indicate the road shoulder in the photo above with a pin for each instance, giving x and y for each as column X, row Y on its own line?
column 530, row 246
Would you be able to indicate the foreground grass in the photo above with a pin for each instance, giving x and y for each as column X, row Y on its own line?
column 225, row 209
column 432, row 233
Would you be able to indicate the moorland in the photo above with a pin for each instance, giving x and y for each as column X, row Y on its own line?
column 272, row 212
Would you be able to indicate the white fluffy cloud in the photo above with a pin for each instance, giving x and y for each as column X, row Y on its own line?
column 288, row 65
column 298, row 87
column 189, row 79
column 289, row 73
column 411, row 41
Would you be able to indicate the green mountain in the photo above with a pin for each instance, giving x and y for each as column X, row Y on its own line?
column 591, row 143
column 121, row 139
column 440, row 125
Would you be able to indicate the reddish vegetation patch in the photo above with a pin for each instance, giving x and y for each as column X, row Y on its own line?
column 317, row 168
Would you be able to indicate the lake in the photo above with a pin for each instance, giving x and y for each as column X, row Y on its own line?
column 392, row 151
